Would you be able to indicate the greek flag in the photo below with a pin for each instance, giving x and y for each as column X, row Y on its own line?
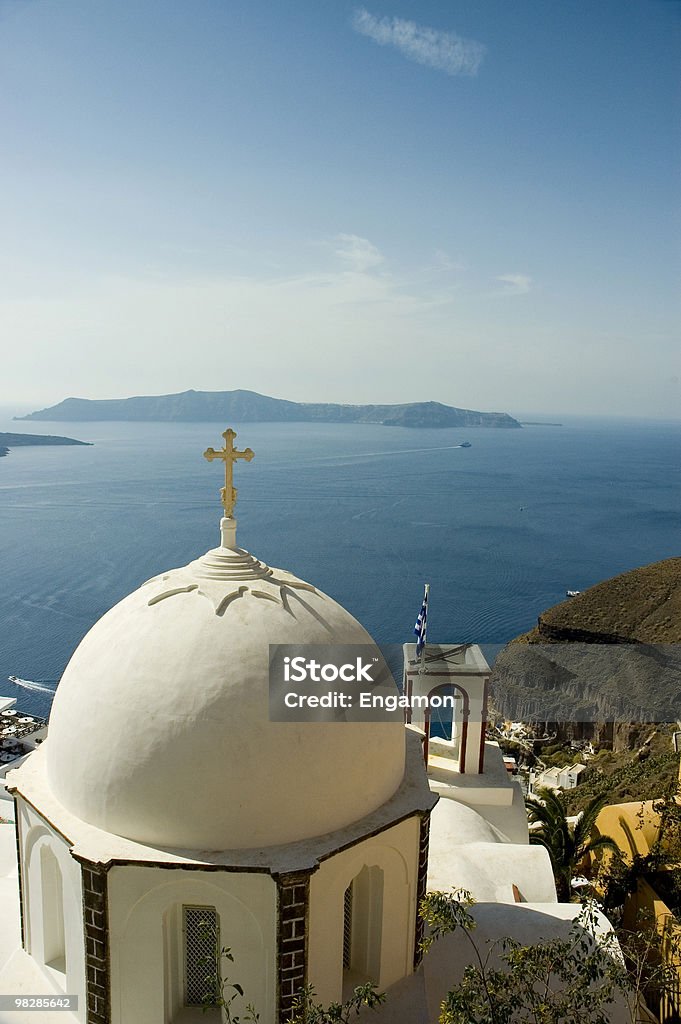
column 420, row 627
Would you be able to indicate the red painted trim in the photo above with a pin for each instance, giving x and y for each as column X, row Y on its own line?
column 483, row 730
column 464, row 742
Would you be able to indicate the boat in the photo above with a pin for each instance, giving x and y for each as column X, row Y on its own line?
column 29, row 684
column 465, row 444
column 572, row 593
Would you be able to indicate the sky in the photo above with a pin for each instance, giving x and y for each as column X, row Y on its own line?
column 469, row 201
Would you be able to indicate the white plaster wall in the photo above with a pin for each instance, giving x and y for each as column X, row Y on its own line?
column 476, row 688
column 490, row 870
column 139, row 900
column 35, row 834
column 396, row 853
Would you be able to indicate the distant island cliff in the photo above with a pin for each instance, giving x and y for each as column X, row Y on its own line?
column 8, row 441
column 248, row 406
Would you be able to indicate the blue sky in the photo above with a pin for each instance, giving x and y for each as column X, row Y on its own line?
column 475, row 202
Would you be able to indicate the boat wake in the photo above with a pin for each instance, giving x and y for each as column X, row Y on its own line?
column 28, row 684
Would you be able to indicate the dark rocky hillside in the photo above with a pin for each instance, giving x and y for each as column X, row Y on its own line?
column 599, row 665
column 641, row 606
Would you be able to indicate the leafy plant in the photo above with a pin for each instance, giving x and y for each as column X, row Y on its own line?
column 652, row 956
column 221, row 992
column 631, row 780
column 306, row 1011
column 557, row 981
column 567, row 844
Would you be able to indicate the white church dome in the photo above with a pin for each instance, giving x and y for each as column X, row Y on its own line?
column 160, row 727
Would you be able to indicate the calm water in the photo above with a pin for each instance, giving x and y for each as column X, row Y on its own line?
column 368, row 514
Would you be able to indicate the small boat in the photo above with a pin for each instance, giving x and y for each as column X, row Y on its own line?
column 465, row 444
column 28, row 684
column 572, row 593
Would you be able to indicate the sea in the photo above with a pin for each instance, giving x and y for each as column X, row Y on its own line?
column 369, row 514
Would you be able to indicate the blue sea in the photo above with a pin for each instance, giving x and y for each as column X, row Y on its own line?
column 368, row 514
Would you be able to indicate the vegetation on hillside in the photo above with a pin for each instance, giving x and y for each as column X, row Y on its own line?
column 622, row 778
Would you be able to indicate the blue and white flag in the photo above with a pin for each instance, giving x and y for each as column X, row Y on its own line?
column 420, row 627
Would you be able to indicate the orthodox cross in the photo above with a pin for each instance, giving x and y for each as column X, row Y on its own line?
column 229, row 455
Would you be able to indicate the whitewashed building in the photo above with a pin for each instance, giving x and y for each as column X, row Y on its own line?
column 567, row 777
column 164, row 797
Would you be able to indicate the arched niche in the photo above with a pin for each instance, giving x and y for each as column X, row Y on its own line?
column 381, row 874
column 362, row 928
column 52, row 906
column 147, row 946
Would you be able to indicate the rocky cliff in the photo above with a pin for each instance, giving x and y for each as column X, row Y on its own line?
column 602, row 663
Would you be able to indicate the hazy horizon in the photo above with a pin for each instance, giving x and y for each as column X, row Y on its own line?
column 472, row 203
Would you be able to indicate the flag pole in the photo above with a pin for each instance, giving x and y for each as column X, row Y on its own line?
column 422, row 666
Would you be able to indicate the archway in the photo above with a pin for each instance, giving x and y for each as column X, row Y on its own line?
column 362, row 928
column 52, row 895
column 459, row 727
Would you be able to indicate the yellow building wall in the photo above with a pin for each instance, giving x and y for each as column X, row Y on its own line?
column 646, row 905
column 633, row 826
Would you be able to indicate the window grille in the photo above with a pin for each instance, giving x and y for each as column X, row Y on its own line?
column 347, row 927
column 201, row 933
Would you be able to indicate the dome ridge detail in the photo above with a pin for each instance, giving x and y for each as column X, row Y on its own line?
column 242, row 572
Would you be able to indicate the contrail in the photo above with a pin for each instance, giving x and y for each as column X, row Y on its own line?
column 27, row 684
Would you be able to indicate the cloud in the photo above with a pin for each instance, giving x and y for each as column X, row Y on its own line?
column 358, row 254
column 443, row 262
column 516, row 284
column 444, row 51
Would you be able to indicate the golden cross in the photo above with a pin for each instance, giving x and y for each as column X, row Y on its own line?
column 229, row 455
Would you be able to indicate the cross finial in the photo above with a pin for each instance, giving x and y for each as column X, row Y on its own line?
column 229, row 455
